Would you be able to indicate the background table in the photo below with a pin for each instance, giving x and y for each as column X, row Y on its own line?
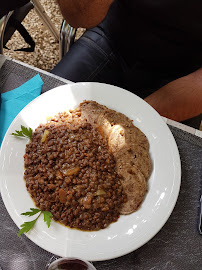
column 178, row 245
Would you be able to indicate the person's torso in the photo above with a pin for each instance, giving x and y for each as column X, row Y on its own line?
column 166, row 33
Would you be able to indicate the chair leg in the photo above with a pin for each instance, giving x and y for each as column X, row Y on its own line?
column 67, row 37
column 3, row 23
column 45, row 19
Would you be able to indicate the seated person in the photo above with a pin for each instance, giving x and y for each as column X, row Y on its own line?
column 151, row 48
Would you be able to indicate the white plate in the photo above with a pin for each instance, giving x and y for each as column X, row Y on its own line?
column 130, row 231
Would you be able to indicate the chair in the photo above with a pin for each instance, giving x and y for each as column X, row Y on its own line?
column 11, row 22
column 67, row 33
column 67, row 38
column 45, row 19
column 3, row 23
column 7, row 30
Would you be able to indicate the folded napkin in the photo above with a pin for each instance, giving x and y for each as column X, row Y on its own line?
column 14, row 101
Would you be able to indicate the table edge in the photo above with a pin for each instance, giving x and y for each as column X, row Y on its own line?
column 168, row 121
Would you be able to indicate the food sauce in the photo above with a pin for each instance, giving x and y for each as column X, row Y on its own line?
column 70, row 264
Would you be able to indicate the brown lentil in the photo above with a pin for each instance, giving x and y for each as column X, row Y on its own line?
column 72, row 174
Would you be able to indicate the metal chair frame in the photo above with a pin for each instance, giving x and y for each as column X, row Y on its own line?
column 45, row 19
column 42, row 15
column 3, row 23
column 66, row 37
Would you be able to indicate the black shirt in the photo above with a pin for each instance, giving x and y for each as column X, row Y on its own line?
column 159, row 32
column 156, row 37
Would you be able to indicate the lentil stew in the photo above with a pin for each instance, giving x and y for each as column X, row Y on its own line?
column 70, row 172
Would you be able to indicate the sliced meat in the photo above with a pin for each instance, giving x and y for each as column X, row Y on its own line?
column 135, row 157
column 135, row 186
column 130, row 148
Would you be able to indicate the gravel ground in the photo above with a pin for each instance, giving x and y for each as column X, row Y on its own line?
column 46, row 54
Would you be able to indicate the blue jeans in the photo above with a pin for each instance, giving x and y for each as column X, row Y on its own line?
column 93, row 59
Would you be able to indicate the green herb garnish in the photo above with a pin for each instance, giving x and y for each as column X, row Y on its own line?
column 47, row 217
column 24, row 132
column 27, row 226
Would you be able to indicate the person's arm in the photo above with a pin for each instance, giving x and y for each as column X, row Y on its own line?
column 84, row 13
column 181, row 99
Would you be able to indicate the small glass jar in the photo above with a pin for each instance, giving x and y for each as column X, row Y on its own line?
column 70, row 264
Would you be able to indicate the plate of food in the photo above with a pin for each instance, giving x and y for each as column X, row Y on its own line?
column 97, row 164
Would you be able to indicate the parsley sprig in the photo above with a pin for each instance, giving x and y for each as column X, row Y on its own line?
column 24, row 132
column 27, row 226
